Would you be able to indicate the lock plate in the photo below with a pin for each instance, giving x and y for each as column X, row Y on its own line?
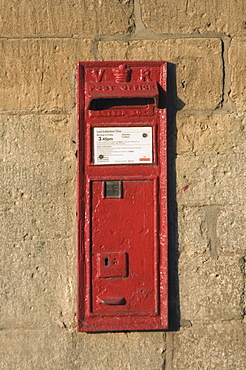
column 112, row 264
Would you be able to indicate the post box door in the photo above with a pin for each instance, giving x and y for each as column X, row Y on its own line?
column 124, row 248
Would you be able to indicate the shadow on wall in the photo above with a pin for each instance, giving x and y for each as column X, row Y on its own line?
column 174, row 104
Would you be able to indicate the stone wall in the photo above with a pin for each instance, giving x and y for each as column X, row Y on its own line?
column 204, row 41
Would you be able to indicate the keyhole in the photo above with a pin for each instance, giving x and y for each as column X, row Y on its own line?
column 106, row 261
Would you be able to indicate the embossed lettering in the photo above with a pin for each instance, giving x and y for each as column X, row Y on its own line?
column 137, row 87
column 145, row 75
column 101, row 87
column 97, row 74
column 121, row 113
column 121, row 87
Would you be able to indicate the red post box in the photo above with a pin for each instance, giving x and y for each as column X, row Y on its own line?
column 122, row 196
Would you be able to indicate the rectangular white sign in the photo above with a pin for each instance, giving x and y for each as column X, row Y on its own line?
column 122, row 145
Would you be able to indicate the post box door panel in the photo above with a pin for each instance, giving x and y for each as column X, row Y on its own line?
column 124, row 249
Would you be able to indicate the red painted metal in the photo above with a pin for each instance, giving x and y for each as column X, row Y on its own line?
column 122, row 236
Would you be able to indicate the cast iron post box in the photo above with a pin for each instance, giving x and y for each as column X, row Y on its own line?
column 122, row 196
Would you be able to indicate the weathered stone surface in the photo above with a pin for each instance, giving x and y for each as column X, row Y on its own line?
column 197, row 231
column 231, row 230
column 212, row 133
column 214, row 346
column 37, row 215
column 237, row 56
column 212, row 231
column 36, row 349
column 121, row 351
column 210, row 289
column 59, row 349
column 38, row 74
column 38, row 168
column 199, row 65
column 198, row 17
column 82, row 17
column 37, row 294
column 214, row 179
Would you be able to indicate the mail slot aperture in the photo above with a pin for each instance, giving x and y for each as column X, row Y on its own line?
column 122, row 196
column 113, row 103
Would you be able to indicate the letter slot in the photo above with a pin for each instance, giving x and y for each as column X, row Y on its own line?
column 122, row 196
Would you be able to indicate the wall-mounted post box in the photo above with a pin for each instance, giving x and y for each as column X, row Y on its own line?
column 122, row 196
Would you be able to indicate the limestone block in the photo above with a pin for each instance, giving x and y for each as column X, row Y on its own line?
column 38, row 168
column 211, row 179
column 231, row 230
column 198, row 62
column 195, row 230
column 55, row 349
column 38, row 286
column 36, row 349
column 215, row 133
column 210, row 289
column 212, row 230
column 37, row 197
column 44, row 18
column 38, row 74
column 139, row 350
column 237, row 57
column 199, row 17
column 215, row 346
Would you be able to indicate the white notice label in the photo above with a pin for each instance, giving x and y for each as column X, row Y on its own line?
column 122, row 145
